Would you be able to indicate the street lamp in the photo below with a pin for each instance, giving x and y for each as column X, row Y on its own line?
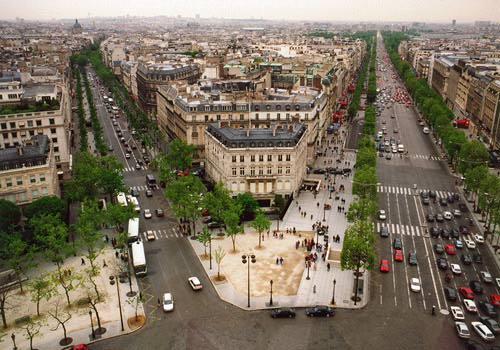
column 271, row 293
column 333, row 295
column 324, row 211
column 113, row 279
column 251, row 258
column 307, row 265
column 92, row 325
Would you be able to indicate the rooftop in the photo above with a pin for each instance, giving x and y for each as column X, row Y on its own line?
column 33, row 153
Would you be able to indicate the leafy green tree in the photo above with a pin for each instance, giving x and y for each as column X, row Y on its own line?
column 45, row 205
column 249, row 205
column 86, row 178
column 261, row 223
column 231, row 218
column 472, row 154
column 361, row 210
column 217, row 202
column 9, row 215
column 489, row 196
column 473, row 178
column 179, row 158
column 365, row 182
column 111, row 176
column 358, row 250
column 205, row 238
column 41, row 288
column 116, row 215
column 32, row 329
column 17, row 254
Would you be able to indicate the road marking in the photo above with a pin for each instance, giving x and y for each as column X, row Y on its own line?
column 432, row 273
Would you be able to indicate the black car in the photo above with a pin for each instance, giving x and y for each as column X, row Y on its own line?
column 424, row 194
column 384, row 231
column 412, row 258
column 443, row 202
column 477, row 258
column 438, row 248
column 455, row 233
column 450, row 293
column 463, row 208
column 466, row 259
column 476, row 286
column 442, row 263
column 451, row 198
column 430, row 218
column 439, row 217
column 490, row 323
column 445, row 233
column 425, row 201
column 434, row 232
column 397, row 244
column 284, row 312
column 487, row 308
column 432, row 194
column 320, row 311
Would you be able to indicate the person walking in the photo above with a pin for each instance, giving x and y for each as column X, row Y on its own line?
column 328, row 267
column 277, row 261
column 281, row 260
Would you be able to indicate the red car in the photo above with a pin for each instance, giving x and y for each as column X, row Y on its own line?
column 495, row 299
column 204, row 212
column 450, row 249
column 384, row 265
column 398, row 255
column 466, row 292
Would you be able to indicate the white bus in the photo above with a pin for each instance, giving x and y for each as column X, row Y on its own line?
column 133, row 230
column 139, row 259
column 121, row 199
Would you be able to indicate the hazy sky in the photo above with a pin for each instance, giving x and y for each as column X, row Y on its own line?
column 336, row 10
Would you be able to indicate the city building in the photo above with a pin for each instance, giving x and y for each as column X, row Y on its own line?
column 28, row 171
column 262, row 162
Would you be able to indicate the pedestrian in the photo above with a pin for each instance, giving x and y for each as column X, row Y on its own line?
column 314, row 289
column 328, row 267
column 117, row 254
column 294, row 232
column 267, row 233
column 281, row 260
column 312, row 216
column 83, row 261
column 277, row 261
column 104, row 263
column 107, row 238
column 159, row 303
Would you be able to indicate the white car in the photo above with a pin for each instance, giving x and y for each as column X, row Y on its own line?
column 147, row 214
column 483, row 331
column 457, row 312
column 470, row 305
column 478, row 238
column 448, row 215
column 195, row 283
column 415, row 285
column 455, row 268
column 486, row 276
column 382, row 215
column 168, row 302
column 470, row 243
column 150, row 235
column 462, row 330
column 457, row 213
column 425, row 130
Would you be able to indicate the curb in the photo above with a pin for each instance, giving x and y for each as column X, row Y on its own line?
column 121, row 334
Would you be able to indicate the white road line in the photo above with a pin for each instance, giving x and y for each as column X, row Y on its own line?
column 432, row 272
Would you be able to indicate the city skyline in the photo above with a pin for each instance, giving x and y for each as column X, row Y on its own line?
column 315, row 10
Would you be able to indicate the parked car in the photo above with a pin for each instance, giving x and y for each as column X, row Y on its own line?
column 466, row 259
column 215, row 224
column 450, row 249
column 470, row 305
column 438, row 248
column 486, row 276
column 495, row 299
column 476, row 286
column 462, row 330
column 455, row 268
column 284, row 312
column 478, row 238
column 320, row 311
column 450, row 293
column 457, row 313
column 483, row 331
column 442, row 263
column 477, row 258
column 487, row 308
column 490, row 323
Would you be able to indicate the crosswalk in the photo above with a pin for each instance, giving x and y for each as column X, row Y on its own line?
column 410, row 191
column 129, row 169
column 139, row 188
column 424, row 156
column 407, row 230
column 161, row 234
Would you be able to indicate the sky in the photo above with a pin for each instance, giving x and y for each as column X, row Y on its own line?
column 331, row 10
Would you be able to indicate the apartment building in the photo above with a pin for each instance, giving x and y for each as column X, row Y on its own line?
column 28, row 171
column 11, row 90
column 262, row 162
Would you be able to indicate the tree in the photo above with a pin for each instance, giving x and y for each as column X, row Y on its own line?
column 205, row 238
column 86, row 178
column 179, row 158
column 9, row 215
column 365, row 182
column 489, row 196
column 231, row 218
column 111, row 176
column 358, row 249
column 68, row 279
column 93, row 305
column 217, row 202
column 45, row 205
column 249, row 205
column 32, row 329
column 4, row 295
column 17, row 254
column 219, row 255
column 116, row 215
column 62, row 318
column 278, row 205
column 261, row 223
column 41, row 288
column 473, row 178
column 135, row 301
column 472, row 154
column 361, row 209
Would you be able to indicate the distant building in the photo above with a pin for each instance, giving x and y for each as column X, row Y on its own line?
column 77, row 28
column 262, row 162
column 453, row 22
column 28, row 171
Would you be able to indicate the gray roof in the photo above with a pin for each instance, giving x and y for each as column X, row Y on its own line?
column 8, row 76
column 287, row 135
column 28, row 155
column 37, row 90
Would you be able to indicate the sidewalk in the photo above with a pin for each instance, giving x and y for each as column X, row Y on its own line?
column 319, row 288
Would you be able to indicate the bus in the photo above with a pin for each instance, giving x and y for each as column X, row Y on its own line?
column 121, row 199
column 139, row 258
column 133, row 230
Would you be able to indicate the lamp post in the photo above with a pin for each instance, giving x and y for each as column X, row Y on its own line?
column 330, row 195
column 210, row 251
column 119, row 298
column 250, row 258
column 271, row 293
column 324, row 211
column 333, row 295
column 13, row 337
column 92, row 324
column 307, row 265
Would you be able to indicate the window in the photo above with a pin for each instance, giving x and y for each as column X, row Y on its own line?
column 19, row 181
column 3, row 126
column 256, row 116
column 261, row 157
column 230, row 116
column 287, row 171
column 280, row 170
column 241, row 117
column 278, row 115
column 38, row 123
column 280, row 157
column 54, row 139
column 8, row 182
column 12, row 125
column 252, row 158
column 52, row 121
column 261, row 171
column 242, row 171
column 268, row 116
column 233, row 159
column 58, row 158
column 288, row 116
column 288, row 157
column 52, row 130
column 14, row 134
column 252, row 171
column 269, row 170
column 269, row 158
column 206, row 118
column 307, row 116
column 233, row 171
column 42, row 177
column 218, row 116
column 6, row 135
column 32, row 179
column 30, row 123
column 34, row 193
column 32, row 132
column 45, row 191
column 22, row 197
column 242, row 159
column 56, row 149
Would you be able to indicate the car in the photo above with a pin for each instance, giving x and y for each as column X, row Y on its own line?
column 215, row 224
column 462, row 330
column 384, row 265
column 470, row 305
column 424, row 194
column 457, row 313
column 450, row 293
column 396, row 131
column 448, row 215
column 127, row 155
column 455, row 268
column 457, row 213
column 110, row 148
column 434, row 232
column 466, row 259
column 168, row 302
column 432, row 194
column 430, row 218
column 438, row 248
column 495, row 299
column 384, row 231
column 445, row 233
column 455, row 233
column 134, row 192
column 425, row 130
column 486, row 276
column 450, row 249
column 439, row 217
column 195, row 283
column 469, row 243
column 115, row 123
column 476, row 286
column 397, row 243
column 490, row 323
column 464, row 230
column 382, row 215
column 443, row 202
column 478, row 238
column 137, row 166
column 466, row 292
column 463, row 208
column 150, row 235
column 442, row 263
column 122, row 139
column 207, row 219
column 487, row 308
column 78, row 347
column 426, row 201
column 283, row 312
column 159, row 212
column 398, row 255
column 459, row 244
column 388, row 156
column 483, row 331
column 205, row 212
column 412, row 258
column 147, row 214
column 320, row 311
column 477, row 258
column 415, row 285
column 149, row 193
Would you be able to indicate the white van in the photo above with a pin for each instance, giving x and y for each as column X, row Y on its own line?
column 401, row 148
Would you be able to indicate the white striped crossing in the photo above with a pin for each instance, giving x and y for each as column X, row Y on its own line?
column 161, row 234
column 424, row 156
column 139, row 188
column 399, row 229
column 130, row 169
column 409, row 191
